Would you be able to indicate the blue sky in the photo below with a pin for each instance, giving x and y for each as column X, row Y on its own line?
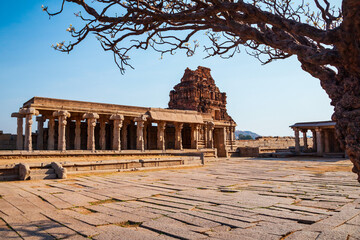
column 263, row 99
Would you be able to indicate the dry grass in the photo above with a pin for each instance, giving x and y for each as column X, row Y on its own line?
column 83, row 210
column 109, row 200
column 129, row 224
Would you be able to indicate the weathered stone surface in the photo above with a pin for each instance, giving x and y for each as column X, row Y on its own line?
column 59, row 170
column 197, row 91
column 24, row 171
column 229, row 199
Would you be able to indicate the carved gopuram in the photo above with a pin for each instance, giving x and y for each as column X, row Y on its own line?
column 66, row 125
column 324, row 138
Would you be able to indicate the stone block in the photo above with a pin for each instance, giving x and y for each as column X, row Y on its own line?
column 60, row 171
column 24, row 171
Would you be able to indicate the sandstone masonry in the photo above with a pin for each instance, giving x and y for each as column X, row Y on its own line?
column 197, row 120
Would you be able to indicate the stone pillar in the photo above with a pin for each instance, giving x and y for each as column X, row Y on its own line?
column 140, row 132
column 28, row 132
column 178, row 137
column 67, row 133
column 227, row 130
column 40, row 136
column 195, row 136
column 232, row 137
column 210, row 128
column 146, row 136
column 91, row 121
column 314, row 139
column 124, row 133
column 319, row 144
column 118, row 121
column 205, row 136
column 327, row 141
column 28, row 112
column 77, row 143
column 19, row 132
column 305, row 139
column 51, row 135
column 297, row 140
column 102, row 133
column 161, row 135
column 62, row 116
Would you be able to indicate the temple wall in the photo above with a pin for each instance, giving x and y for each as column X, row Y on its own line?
column 272, row 143
column 7, row 141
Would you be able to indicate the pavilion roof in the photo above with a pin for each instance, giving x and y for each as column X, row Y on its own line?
column 310, row 125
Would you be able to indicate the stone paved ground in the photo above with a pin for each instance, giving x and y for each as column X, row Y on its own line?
column 229, row 199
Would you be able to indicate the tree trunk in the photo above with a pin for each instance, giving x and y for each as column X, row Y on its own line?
column 343, row 89
column 347, row 117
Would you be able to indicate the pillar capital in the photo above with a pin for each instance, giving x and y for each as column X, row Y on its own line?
column 161, row 125
column 17, row 115
column 117, row 117
column 90, row 116
column 179, row 125
column 28, row 111
column 210, row 125
column 195, row 126
column 141, row 118
column 317, row 129
column 61, row 113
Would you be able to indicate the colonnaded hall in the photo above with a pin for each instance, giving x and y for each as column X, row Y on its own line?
column 196, row 119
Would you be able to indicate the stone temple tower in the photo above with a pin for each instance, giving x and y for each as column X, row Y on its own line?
column 197, row 91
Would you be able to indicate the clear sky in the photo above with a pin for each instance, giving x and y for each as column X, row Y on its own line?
column 263, row 99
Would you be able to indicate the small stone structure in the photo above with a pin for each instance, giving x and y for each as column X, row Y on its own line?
column 77, row 125
column 324, row 138
column 270, row 144
column 7, row 141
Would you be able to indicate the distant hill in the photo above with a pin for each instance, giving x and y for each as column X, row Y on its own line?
column 246, row 133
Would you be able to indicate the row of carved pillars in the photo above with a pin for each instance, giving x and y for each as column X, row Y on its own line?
column 321, row 140
column 91, row 119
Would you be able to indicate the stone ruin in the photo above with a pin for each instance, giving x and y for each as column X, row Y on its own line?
column 197, row 119
column 197, row 91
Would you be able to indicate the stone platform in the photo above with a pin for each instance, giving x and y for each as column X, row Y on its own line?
column 228, row 199
column 23, row 165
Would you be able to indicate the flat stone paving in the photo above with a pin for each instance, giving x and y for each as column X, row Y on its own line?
column 237, row 198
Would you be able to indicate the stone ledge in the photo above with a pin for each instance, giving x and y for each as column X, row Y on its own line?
column 12, row 171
